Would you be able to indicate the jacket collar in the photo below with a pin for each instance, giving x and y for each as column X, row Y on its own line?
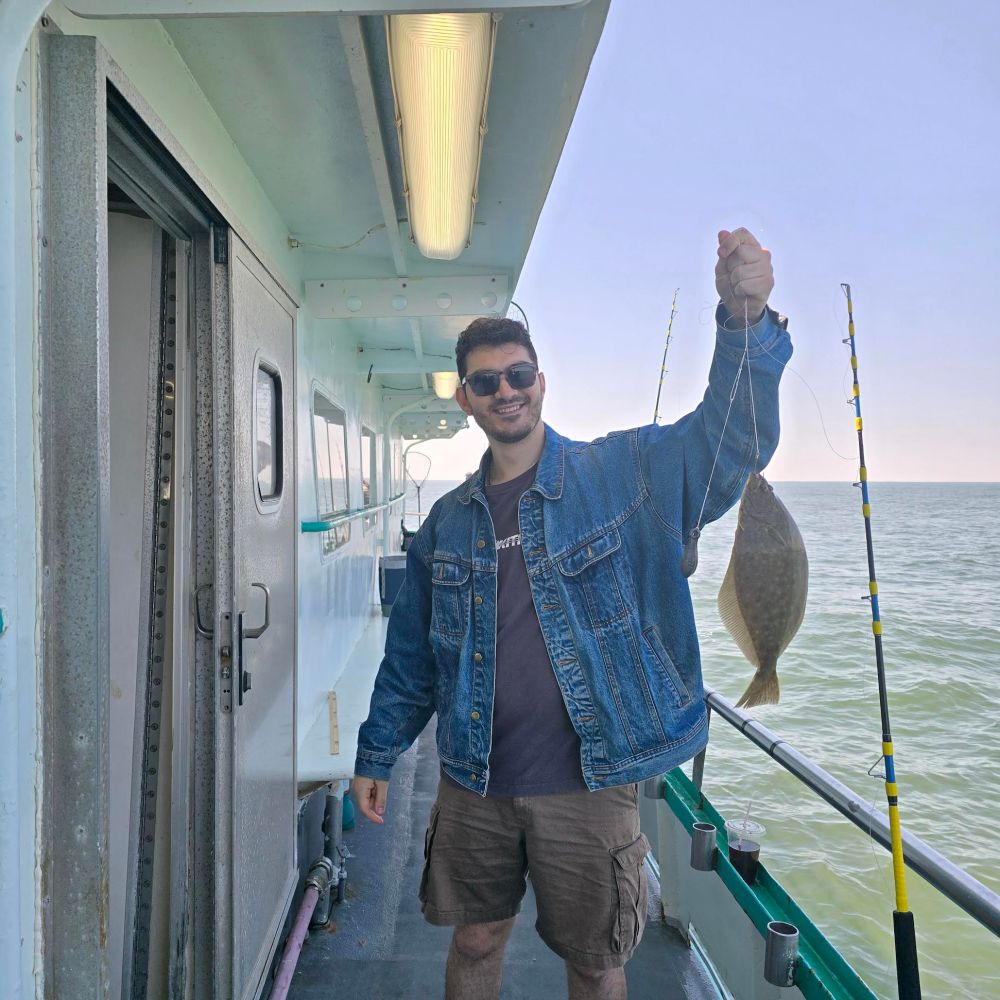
column 548, row 479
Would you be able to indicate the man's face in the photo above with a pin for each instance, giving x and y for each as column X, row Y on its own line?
column 510, row 415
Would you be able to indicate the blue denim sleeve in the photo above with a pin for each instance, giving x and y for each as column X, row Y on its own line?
column 679, row 460
column 403, row 698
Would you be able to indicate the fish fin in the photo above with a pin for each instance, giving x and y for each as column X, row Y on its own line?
column 732, row 616
column 763, row 689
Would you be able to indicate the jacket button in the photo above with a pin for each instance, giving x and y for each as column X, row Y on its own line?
column 481, row 544
column 479, row 600
column 472, row 777
column 478, row 657
column 474, row 716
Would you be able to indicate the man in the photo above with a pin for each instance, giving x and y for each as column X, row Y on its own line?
column 545, row 618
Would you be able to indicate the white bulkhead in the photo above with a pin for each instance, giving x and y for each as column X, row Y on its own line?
column 218, row 333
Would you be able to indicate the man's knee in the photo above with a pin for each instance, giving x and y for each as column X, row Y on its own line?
column 478, row 941
column 595, row 979
column 596, row 984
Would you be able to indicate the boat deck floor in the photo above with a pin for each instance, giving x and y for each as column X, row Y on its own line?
column 377, row 944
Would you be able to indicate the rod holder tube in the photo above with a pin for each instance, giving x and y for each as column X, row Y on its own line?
column 652, row 788
column 703, row 849
column 781, row 953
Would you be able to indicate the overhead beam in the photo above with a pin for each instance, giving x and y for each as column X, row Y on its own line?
column 357, row 61
column 440, row 296
column 203, row 8
column 418, row 347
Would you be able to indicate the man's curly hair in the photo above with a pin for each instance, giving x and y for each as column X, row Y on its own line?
column 491, row 331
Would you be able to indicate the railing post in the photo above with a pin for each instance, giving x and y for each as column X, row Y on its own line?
column 698, row 768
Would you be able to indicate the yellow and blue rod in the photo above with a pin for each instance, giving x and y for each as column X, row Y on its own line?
column 907, row 972
column 663, row 364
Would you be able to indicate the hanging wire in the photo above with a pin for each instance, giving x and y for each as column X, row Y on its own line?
column 524, row 315
column 294, row 242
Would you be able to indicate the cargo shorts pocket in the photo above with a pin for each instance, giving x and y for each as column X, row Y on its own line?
column 633, row 893
column 428, row 845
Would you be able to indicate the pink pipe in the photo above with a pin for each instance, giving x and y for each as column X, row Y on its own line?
column 283, row 980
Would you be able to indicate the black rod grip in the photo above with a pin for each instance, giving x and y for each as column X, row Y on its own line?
column 907, row 973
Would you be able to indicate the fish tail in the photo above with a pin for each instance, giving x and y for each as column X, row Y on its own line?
column 763, row 689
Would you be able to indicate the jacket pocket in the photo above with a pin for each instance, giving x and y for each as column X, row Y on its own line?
column 633, row 893
column 591, row 580
column 667, row 670
column 449, row 596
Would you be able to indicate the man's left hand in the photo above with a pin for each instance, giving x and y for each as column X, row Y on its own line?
column 744, row 276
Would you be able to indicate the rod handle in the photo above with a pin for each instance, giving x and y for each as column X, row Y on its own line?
column 907, row 972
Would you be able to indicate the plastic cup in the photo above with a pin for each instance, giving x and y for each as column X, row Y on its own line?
column 744, row 846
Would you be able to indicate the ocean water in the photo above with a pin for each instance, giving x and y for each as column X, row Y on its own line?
column 937, row 558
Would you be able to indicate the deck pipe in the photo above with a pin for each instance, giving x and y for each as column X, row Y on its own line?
column 317, row 882
column 781, row 953
column 335, row 847
column 333, row 819
column 703, row 849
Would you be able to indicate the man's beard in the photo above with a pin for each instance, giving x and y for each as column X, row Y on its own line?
column 515, row 434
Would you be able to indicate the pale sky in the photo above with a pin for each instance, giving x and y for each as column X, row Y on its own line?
column 859, row 142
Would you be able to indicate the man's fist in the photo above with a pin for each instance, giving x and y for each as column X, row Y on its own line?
column 370, row 795
column 744, row 276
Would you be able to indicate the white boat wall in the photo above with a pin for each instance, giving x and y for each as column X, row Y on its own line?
column 217, row 334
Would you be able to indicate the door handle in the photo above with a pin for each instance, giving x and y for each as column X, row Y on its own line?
column 256, row 633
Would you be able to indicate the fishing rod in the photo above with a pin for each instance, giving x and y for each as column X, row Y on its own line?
column 907, row 973
column 663, row 364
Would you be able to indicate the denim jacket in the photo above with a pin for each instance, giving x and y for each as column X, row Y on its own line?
column 602, row 533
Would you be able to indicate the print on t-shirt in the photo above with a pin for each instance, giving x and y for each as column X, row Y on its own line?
column 509, row 543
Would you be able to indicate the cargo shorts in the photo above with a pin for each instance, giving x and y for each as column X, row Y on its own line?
column 582, row 851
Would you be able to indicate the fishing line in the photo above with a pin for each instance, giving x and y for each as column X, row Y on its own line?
column 753, row 408
column 689, row 556
column 819, row 409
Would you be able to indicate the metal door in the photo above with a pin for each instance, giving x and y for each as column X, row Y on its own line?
column 258, row 695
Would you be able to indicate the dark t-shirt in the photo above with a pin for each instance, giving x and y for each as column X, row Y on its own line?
column 535, row 749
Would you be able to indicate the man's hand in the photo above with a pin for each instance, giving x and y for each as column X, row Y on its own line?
column 744, row 276
column 370, row 795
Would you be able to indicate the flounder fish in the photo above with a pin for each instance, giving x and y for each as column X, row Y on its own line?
column 763, row 597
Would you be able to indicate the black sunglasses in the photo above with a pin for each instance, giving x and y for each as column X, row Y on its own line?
column 486, row 383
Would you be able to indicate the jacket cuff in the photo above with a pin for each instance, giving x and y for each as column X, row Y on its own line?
column 764, row 335
column 365, row 767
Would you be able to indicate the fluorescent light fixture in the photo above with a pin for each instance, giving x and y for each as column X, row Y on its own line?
column 440, row 66
column 445, row 384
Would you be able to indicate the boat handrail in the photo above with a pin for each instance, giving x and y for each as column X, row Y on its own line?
column 326, row 524
column 949, row 879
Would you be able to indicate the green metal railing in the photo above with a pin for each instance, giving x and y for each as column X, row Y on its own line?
column 328, row 524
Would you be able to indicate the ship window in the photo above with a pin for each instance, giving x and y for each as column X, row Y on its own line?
column 267, row 433
column 369, row 473
column 330, row 448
